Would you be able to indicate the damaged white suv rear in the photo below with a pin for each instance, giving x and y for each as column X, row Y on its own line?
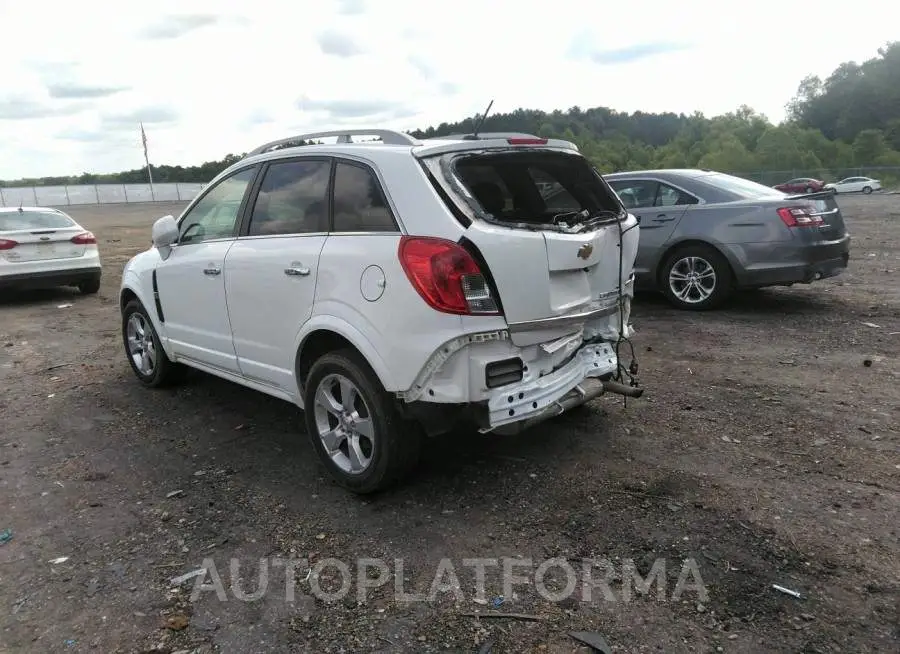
column 394, row 289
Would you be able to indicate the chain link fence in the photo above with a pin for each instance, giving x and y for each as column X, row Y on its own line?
column 62, row 196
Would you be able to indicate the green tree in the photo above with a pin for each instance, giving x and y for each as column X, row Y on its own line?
column 728, row 154
column 777, row 150
column 868, row 147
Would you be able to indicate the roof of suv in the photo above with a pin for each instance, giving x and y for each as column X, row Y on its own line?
column 402, row 143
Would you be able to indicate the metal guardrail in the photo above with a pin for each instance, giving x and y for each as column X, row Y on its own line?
column 85, row 194
column 70, row 195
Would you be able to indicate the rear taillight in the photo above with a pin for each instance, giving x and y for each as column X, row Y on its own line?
column 446, row 276
column 799, row 217
column 85, row 238
column 526, row 141
column 7, row 244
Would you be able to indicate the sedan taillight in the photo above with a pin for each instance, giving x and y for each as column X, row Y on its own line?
column 85, row 238
column 799, row 217
column 7, row 244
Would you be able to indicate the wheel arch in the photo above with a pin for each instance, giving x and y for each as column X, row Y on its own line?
column 126, row 295
column 689, row 242
column 331, row 335
column 129, row 292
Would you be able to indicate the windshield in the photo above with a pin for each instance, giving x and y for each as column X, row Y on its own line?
column 740, row 187
column 19, row 220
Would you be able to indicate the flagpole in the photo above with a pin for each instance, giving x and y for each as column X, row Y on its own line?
column 147, row 161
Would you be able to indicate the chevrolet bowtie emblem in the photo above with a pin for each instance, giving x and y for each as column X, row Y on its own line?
column 585, row 251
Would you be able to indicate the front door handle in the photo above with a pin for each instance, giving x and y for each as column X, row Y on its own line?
column 662, row 218
column 212, row 270
column 296, row 271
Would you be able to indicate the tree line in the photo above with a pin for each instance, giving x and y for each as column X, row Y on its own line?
column 834, row 127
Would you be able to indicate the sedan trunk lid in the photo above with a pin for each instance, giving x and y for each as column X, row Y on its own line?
column 40, row 235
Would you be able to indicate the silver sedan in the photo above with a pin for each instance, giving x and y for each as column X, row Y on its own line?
column 705, row 234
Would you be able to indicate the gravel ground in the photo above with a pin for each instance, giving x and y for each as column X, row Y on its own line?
column 764, row 451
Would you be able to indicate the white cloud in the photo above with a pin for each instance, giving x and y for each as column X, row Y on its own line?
column 226, row 75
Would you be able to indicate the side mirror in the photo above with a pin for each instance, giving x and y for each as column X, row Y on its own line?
column 165, row 234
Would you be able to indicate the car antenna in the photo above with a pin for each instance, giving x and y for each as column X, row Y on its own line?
column 480, row 123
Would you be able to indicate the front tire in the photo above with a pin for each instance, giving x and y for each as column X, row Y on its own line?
column 696, row 278
column 354, row 425
column 809, row 189
column 145, row 353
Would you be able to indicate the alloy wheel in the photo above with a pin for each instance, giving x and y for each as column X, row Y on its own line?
column 141, row 347
column 692, row 280
column 344, row 423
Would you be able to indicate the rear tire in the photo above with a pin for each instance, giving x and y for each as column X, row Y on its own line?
column 90, row 287
column 809, row 189
column 144, row 351
column 696, row 278
column 363, row 441
column 867, row 189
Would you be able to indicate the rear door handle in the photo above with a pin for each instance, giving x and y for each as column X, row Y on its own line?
column 662, row 218
column 296, row 271
column 212, row 270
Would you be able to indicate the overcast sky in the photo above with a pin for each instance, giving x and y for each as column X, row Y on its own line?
column 209, row 77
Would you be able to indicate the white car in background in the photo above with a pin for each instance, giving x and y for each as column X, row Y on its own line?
column 394, row 289
column 45, row 248
column 855, row 185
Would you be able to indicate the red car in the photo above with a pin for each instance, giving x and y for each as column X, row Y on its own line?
column 801, row 185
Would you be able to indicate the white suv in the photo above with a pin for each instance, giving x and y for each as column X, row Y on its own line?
column 393, row 289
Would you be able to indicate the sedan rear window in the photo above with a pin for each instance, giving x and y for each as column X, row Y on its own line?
column 743, row 189
column 19, row 220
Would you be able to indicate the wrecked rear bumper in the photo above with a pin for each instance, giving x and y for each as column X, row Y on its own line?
column 534, row 398
column 507, row 380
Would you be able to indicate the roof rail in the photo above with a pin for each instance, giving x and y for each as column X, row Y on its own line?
column 388, row 136
column 483, row 136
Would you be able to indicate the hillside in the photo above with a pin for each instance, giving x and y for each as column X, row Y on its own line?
column 850, row 120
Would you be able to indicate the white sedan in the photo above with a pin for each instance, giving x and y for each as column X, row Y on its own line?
column 45, row 248
column 855, row 185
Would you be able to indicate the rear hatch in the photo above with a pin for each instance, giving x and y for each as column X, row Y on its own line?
column 549, row 229
column 31, row 235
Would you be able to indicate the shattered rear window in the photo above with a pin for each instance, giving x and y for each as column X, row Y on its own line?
column 534, row 187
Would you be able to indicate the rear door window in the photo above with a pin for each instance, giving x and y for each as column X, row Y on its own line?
column 292, row 199
column 636, row 193
column 668, row 196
